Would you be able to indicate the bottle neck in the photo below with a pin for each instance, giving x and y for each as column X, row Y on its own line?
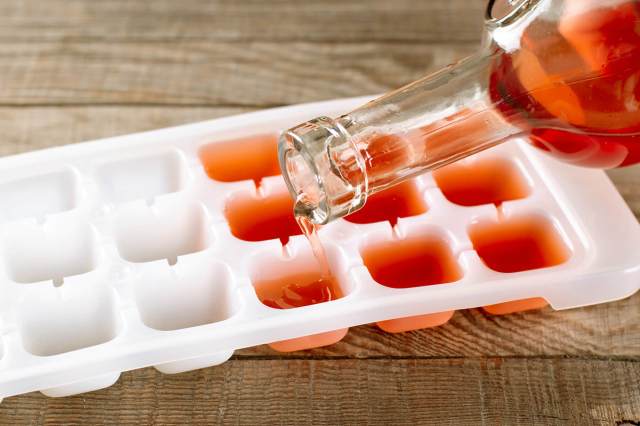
column 332, row 165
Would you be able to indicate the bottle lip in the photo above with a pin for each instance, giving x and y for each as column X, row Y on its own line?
column 323, row 169
column 518, row 8
column 307, row 190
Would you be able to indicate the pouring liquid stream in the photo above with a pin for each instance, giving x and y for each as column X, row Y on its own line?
column 302, row 288
column 310, row 231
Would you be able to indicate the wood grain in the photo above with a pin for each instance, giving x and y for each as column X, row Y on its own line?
column 627, row 181
column 30, row 128
column 281, row 20
column 210, row 73
column 386, row 391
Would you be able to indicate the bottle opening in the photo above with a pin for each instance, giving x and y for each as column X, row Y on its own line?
column 303, row 180
column 503, row 12
column 323, row 170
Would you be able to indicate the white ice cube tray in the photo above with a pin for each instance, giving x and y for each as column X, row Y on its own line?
column 116, row 255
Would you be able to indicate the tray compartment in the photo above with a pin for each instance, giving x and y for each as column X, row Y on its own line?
column 53, row 321
column 417, row 322
column 39, row 196
column 165, row 230
column 196, row 291
column 521, row 305
column 142, row 177
column 59, row 248
column 484, row 180
column 402, row 200
column 297, row 281
column 423, row 257
column 519, row 243
column 262, row 216
column 248, row 158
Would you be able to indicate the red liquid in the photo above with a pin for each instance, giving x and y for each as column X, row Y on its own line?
column 402, row 200
column 575, row 86
column 297, row 290
column 516, row 306
column 401, row 325
column 515, row 245
column 518, row 244
column 411, row 262
column 485, row 181
column 310, row 342
column 253, row 157
column 310, row 231
column 254, row 218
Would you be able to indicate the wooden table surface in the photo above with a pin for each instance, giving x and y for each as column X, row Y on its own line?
column 76, row 70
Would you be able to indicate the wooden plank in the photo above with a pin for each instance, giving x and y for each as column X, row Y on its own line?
column 283, row 20
column 402, row 391
column 627, row 180
column 210, row 73
column 30, row 128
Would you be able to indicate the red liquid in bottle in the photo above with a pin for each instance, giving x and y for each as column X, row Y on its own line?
column 575, row 85
column 572, row 86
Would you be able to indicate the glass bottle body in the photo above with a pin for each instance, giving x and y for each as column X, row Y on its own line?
column 566, row 73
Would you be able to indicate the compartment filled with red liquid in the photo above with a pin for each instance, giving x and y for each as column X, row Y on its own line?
column 489, row 180
column 516, row 244
column 295, row 290
column 260, row 217
column 293, row 283
column 248, row 158
column 402, row 200
column 420, row 259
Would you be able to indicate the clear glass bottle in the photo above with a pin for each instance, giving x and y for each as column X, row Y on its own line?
column 566, row 73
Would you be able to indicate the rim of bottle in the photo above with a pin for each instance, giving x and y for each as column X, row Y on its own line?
column 511, row 11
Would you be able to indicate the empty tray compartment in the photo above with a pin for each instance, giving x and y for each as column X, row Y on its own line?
column 143, row 177
column 197, row 291
column 49, row 252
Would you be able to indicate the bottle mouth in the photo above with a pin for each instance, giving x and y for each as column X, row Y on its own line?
column 505, row 12
column 303, row 180
column 323, row 170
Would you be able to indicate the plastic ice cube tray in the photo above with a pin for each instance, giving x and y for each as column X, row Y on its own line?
column 129, row 252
